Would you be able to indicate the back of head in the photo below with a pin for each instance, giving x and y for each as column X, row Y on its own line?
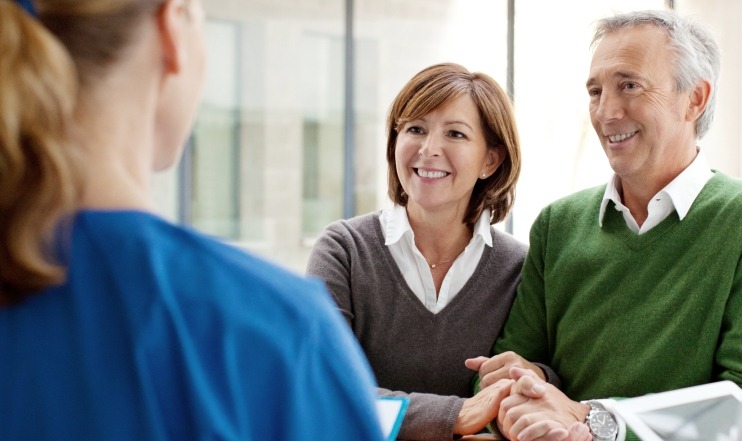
column 697, row 56
column 47, row 61
column 37, row 95
column 437, row 85
column 96, row 33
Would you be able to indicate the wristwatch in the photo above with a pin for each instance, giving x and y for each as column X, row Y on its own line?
column 602, row 423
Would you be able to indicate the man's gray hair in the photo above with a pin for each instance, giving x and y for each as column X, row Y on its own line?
column 697, row 54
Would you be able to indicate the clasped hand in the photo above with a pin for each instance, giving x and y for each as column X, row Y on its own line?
column 526, row 407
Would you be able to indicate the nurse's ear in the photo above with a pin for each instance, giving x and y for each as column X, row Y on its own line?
column 172, row 19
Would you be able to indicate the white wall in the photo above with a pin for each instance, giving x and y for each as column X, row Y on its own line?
column 723, row 144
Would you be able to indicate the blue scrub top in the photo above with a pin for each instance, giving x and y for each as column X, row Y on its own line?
column 161, row 333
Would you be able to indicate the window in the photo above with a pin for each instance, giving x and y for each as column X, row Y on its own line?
column 265, row 164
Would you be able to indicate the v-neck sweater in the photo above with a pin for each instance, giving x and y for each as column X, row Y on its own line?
column 413, row 351
column 617, row 314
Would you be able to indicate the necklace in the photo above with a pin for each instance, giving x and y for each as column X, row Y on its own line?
column 434, row 265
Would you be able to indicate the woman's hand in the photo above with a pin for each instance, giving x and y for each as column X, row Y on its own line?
column 482, row 408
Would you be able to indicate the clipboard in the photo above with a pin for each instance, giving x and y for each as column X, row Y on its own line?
column 708, row 412
column 391, row 412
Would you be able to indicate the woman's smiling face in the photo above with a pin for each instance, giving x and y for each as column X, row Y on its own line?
column 440, row 156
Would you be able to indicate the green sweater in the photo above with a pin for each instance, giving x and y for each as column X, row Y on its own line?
column 618, row 314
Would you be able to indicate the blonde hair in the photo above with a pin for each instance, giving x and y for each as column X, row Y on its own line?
column 47, row 62
column 437, row 85
column 37, row 96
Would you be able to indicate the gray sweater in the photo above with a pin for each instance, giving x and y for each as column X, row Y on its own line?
column 412, row 351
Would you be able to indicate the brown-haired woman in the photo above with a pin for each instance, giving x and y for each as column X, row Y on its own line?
column 427, row 283
column 114, row 323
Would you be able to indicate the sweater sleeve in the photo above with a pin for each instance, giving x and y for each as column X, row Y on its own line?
column 525, row 330
column 429, row 417
column 330, row 261
column 729, row 350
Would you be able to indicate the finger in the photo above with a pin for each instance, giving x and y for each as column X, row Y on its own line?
column 529, row 386
column 495, row 395
column 517, row 372
column 493, row 377
column 475, row 363
column 497, row 362
column 542, row 431
column 481, row 409
column 502, row 430
column 509, row 410
column 579, row 432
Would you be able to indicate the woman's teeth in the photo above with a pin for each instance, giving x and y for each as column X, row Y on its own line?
column 431, row 174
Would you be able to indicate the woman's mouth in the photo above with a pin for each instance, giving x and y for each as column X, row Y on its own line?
column 430, row 174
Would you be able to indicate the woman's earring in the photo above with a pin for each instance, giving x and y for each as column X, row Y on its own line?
column 484, row 175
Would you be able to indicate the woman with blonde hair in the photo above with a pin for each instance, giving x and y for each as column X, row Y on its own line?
column 114, row 323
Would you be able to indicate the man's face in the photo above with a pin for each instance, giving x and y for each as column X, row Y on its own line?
column 640, row 118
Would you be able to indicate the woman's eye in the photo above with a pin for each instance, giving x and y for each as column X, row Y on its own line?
column 455, row 134
column 414, row 130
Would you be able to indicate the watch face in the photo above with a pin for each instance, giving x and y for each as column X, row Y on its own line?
column 602, row 425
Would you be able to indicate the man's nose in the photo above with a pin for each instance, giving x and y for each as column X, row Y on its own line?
column 609, row 108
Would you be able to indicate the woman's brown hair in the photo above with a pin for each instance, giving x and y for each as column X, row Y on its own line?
column 438, row 85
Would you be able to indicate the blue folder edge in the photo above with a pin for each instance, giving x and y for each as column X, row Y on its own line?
column 403, row 403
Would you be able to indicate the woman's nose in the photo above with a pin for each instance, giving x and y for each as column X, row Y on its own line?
column 430, row 147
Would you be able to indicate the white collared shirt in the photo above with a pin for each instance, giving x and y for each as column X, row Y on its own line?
column 677, row 196
column 400, row 239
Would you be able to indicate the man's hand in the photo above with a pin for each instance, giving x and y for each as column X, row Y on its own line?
column 554, row 431
column 496, row 368
column 482, row 408
column 553, row 417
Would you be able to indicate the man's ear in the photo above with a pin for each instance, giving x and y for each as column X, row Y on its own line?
column 170, row 28
column 698, row 100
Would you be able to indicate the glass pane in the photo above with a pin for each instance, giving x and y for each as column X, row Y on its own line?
column 561, row 153
column 215, row 147
column 395, row 40
column 265, row 168
column 322, row 89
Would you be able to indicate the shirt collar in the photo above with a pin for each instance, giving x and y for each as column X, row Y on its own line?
column 682, row 190
column 397, row 225
column 482, row 227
